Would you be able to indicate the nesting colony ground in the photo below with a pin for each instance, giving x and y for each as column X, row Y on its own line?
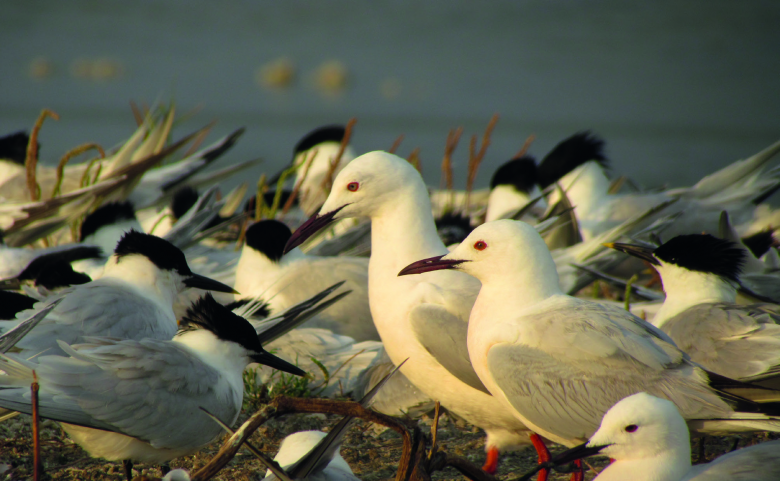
column 372, row 451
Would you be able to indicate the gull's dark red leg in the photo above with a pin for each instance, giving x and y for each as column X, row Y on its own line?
column 579, row 474
column 491, row 463
column 544, row 455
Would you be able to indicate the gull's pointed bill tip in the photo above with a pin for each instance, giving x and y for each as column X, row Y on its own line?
column 611, row 245
column 314, row 224
column 435, row 263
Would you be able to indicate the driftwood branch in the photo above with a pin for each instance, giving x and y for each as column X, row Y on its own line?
column 414, row 465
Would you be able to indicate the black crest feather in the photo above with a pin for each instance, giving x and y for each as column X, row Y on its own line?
column 57, row 261
column 520, row 173
column 570, row 154
column 704, row 253
column 326, row 133
column 13, row 302
column 107, row 214
column 183, row 200
column 269, row 237
column 207, row 313
column 760, row 242
column 453, row 227
column 159, row 251
column 13, row 147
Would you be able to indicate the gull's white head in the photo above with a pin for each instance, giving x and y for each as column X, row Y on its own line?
column 369, row 183
column 505, row 251
column 642, row 426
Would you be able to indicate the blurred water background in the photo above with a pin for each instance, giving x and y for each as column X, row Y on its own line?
column 678, row 88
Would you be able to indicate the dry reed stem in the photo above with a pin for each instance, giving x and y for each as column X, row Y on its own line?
column 306, row 166
column 396, row 144
column 327, row 183
column 37, row 465
column 85, row 179
column 137, row 115
column 453, row 137
column 475, row 158
column 260, row 198
column 31, row 159
column 199, row 139
column 69, row 155
column 414, row 159
column 526, row 145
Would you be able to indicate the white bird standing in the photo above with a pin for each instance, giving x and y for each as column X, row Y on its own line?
column 649, row 441
column 423, row 319
column 700, row 275
column 560, row 362
column 140, row 400
column 286, row 279
column 133, row 299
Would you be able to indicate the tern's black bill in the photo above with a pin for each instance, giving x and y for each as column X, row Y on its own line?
column 430, row 264
column 644, row 253
column 566, row 457
column 203, row 282
column 311, row 227
column 268, row 359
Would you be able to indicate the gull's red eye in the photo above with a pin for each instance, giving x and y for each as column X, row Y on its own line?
column 353, row 186
column 631, row 428
column 480, row 245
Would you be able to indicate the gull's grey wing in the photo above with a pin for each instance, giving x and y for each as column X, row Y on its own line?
column 146, row 389
column 443, row 335
column 106, row 307
column 755, row 463
column 736, row 341
column 584, row 358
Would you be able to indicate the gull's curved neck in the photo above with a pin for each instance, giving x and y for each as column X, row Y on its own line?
column 404, row 231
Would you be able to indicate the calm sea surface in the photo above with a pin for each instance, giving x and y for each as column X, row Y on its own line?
column 678, row 88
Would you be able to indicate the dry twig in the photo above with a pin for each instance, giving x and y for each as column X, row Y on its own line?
column 37, row 465
column 31, row 159
column 526, row 145
column 306, row 166
column 327, row 183
column 396, row 144
column 69, row 155
column 475, row 158
column 414, row 159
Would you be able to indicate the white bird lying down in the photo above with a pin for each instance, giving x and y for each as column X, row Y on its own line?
column 560, row 362
column 314, row 455
column 286, row 279
column 296, row 445
column 343, row 358
column 700, row 274
column 423, row 319
column 139, row 400
column 583, row 178
column 512, row 186
column 133, row 300
column 649, row 441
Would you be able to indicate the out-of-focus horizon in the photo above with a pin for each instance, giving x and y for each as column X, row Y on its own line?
column 677, row 89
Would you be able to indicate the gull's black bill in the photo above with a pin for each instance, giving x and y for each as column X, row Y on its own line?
column 429, row 264
column 310, row 227
column 644, row 253
column 203, row 282
column 268, row 359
